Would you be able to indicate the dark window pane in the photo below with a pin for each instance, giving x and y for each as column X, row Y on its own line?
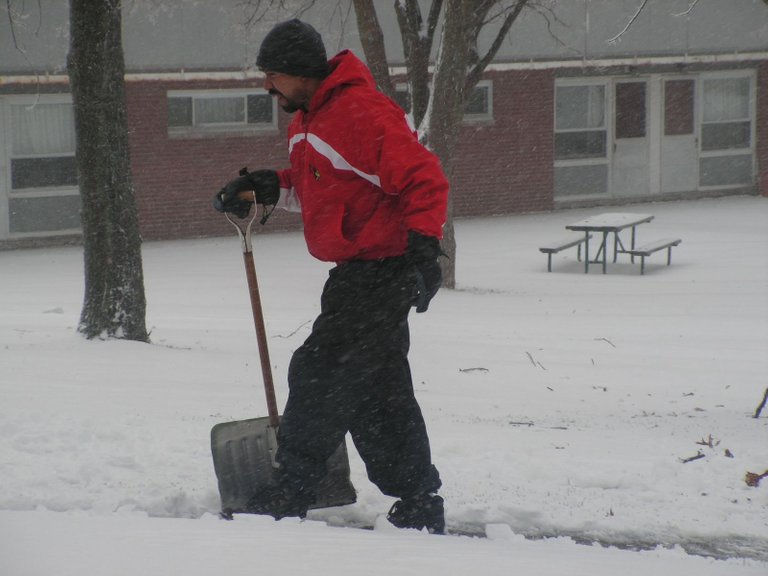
column 678, row 107
column 589, row 180
column 477, row 101
column 259, row 109
column 43, row 172
column 726, row 170
column 630, row 110
column 179, row 111
column 725, row 135
column 573, row 145
column 47, row 214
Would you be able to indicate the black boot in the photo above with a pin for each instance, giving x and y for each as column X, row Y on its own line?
column 279, row 503
column 419, row 512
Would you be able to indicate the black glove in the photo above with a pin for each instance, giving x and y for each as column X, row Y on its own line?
column 264, row 183
column 422, row 254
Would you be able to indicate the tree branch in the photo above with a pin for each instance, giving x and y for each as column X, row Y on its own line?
column 372, row 39
column 690, row 7
column 13, row 27
column 474, row 75
column 631, row 21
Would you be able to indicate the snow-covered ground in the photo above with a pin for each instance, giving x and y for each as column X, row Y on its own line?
column 560, row 406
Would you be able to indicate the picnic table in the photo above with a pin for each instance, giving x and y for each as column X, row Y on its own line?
column 607, row 223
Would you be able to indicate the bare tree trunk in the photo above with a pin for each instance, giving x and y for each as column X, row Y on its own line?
column 447, row 106
column 418, row 37
column 114, row 302
column 372, row 39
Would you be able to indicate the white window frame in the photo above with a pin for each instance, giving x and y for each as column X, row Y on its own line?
column 6, row 155
column 752, row 150
column 223, row 127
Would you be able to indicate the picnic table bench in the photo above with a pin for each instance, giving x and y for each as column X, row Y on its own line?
column 562, row 244
column 651, row 247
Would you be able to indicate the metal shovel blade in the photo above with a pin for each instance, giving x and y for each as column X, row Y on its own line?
column 243, row 458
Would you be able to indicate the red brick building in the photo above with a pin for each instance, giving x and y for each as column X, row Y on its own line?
column 654, row 119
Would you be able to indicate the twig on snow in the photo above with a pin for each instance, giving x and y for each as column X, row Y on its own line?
column 606, row 340
column 698, row 456
column 762, row 404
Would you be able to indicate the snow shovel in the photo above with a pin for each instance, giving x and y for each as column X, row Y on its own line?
column 244, row 451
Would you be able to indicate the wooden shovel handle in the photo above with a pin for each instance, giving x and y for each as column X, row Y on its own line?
column 261, row 337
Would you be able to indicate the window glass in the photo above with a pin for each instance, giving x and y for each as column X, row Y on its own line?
column 42, row 146
column 725, row 135
column 572, row 145
column 219, row 110
column 211, row 110
column 478, row 103
column 580, row 131
column 726, row 99
column 726, row 170
column 678, row 107
column 42, row 129
column 630, row 110
column 43, row 172
column 726, row 120
column 180, row 111
column 579, row 107
column 585, row 180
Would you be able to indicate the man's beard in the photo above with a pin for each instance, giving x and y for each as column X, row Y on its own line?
column 290, row 106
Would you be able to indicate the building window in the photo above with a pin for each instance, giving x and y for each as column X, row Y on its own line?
column 678, row 107
column 727, row 156
column 43, row 197
column 42, row 146
column 580, row 122
column 581, row 163
column 726, row 119
column 478, row 105
column 220, row 111
column 630, row 110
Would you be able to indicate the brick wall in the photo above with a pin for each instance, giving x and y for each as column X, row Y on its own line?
column 506, row 165
column 502, row 166
column 175, row 178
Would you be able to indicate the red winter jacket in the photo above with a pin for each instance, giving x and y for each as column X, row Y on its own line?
column 360, row 175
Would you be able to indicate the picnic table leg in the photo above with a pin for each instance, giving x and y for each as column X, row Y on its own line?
column 632, row 256
column 586, row 252
column 605, row 251
column 615, row 245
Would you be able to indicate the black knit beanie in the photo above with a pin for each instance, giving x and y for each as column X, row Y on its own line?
column 294, row 48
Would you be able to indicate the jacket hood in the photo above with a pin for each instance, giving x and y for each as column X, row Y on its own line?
column 346, row 69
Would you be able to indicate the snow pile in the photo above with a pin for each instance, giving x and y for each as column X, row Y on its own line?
column 559, row 405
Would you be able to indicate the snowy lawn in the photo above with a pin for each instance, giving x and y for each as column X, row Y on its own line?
column 561, row 407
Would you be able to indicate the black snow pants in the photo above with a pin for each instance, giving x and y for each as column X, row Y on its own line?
column 352, row 375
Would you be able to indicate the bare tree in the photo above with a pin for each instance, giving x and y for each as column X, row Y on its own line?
column 459, row 66
column 114, row 303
